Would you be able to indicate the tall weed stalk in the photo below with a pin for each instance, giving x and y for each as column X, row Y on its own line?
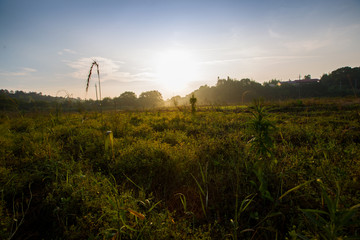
column 88, row 80
column 261, row 128
column 203, row 187
column 261, row 145
column 18, row 222
column 331, row 222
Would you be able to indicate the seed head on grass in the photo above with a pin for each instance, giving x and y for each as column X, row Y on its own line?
column 89, row 76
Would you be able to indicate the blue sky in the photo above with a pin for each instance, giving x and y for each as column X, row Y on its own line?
column 171, row 46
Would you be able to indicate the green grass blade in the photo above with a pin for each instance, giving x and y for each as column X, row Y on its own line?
column 295, row 188
column 199, row 186
column 154, row 206
column 355, row 206
column 247, row 201
column 314, row 217
column 133, row 182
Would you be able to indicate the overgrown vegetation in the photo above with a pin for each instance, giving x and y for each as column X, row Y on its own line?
column 193, row 103
column 285, row 170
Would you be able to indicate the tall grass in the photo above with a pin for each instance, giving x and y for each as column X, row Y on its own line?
column 94, row 63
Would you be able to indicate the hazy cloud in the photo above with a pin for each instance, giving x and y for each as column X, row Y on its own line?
column 327, row 38
column 110, row 70
column 29, row 70
column 66, row 50
column 306, row 45
column 274, row 34
column 69, row 51
column 221, row 61
column 23, row 72
column 144, row 76
column 259, row 58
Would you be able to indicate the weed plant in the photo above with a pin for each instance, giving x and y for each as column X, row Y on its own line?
column 225, row 173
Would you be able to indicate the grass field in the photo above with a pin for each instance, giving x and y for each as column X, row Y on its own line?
column 287, row 170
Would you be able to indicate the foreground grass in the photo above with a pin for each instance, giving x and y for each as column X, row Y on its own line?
column 221, row 173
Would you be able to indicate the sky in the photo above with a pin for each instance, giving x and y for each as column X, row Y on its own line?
column 172, row 46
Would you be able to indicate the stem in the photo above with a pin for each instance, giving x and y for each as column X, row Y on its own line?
column 98, row 73
column 23, row 214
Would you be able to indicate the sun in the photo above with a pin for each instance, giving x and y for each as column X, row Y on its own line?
column 176, row 69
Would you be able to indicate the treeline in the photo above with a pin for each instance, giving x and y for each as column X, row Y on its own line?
column 32, row 101
column 339, row 83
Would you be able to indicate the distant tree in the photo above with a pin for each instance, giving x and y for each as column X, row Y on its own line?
column 220, row 82
column 175, row 100
column 307, row 77
column 245, row 81
column 151, row 99
column 128, row 95
column 126, row 100
column 272, row 83
column 205, row 95
column 107, row 102
column 341, row 82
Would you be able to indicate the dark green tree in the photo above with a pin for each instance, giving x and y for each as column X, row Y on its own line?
column 126, row 100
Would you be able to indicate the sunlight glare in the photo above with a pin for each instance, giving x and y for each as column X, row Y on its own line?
column 176, row 69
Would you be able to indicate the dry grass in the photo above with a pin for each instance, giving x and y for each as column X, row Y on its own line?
column 89, row 76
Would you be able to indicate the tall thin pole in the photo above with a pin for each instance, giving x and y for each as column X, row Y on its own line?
column 88, row 81
column 96, row 92
column 98, row 73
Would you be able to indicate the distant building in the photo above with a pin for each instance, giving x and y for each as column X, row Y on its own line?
column 300, row 81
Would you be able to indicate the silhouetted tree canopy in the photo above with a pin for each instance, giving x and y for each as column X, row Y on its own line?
column 151, row 99
column 344, row 81
column 126, row 100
